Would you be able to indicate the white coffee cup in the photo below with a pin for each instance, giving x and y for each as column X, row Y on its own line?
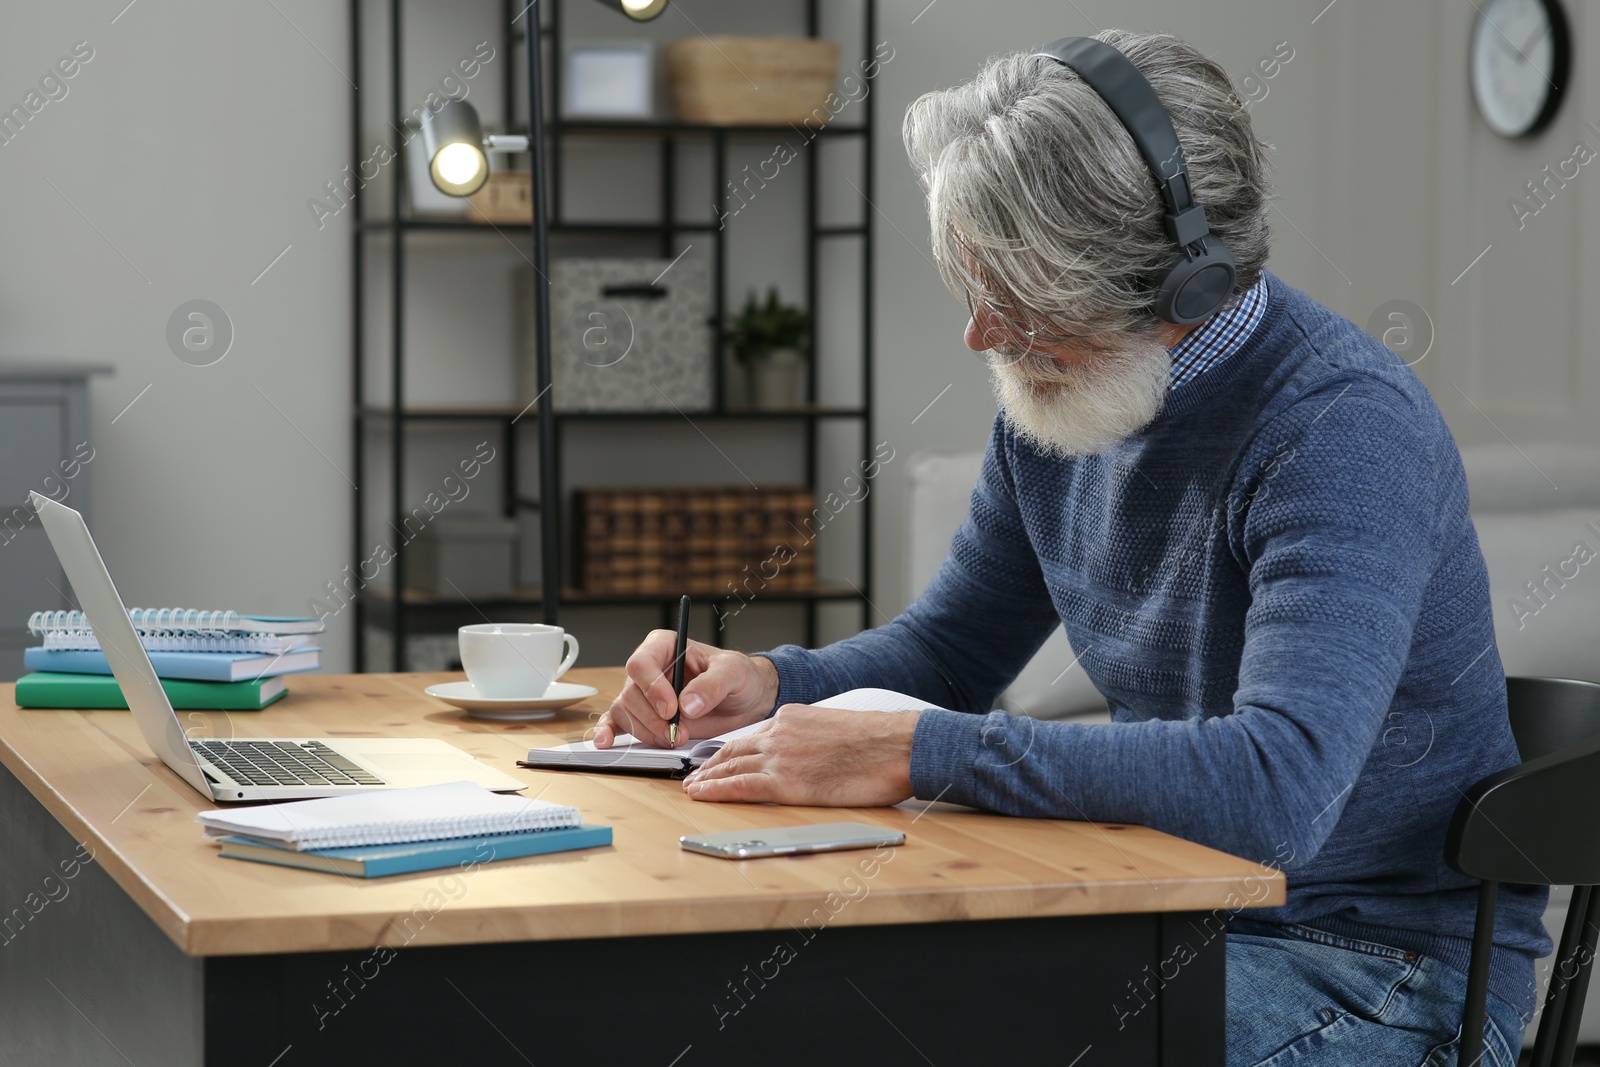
column 515, row 660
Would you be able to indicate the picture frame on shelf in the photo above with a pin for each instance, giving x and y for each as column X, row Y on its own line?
column 609, row 80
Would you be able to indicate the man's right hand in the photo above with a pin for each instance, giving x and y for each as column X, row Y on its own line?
column 722, row 690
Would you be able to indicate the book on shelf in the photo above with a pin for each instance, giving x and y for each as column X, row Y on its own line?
column 675, row 547
column 376, row 861
column 700, row 568
column 197, row 666
column 47, row 689
column 175, row 621
column 796, row 524
column 708, row 541
column 727, row 546
column 624, row 563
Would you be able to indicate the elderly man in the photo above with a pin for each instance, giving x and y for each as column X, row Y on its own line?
column 1253, row 525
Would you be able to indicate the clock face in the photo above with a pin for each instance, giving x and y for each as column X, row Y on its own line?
column 1520, row 55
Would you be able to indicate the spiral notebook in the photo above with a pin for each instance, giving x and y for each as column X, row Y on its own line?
column 179, row 621
column 389, row 816
column 264, row 644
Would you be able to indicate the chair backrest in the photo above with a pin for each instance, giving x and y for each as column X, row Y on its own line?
column 1548, row 714
column 1538, row 822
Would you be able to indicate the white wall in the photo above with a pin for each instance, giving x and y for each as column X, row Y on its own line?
column 189, row 145
column 178, row 167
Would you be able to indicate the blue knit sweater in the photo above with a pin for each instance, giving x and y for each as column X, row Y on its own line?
column 1278, row 590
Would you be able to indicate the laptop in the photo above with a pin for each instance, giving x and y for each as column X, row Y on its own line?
column 248, row 768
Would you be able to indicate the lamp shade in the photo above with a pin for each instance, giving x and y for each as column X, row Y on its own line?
column 452, row 139
column 638, row 10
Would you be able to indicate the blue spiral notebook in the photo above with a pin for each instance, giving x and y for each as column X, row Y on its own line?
column 375, row 861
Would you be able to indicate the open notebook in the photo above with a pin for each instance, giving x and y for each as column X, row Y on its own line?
column 628, row 754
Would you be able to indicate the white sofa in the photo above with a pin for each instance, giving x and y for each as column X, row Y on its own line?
column 1051, row 686
column 1537, row 511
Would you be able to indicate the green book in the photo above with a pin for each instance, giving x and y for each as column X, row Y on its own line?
column 48, row 689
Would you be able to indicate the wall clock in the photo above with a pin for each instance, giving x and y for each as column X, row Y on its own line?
column 1521, row 53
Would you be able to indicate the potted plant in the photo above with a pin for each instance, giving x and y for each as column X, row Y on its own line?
column 767, row 339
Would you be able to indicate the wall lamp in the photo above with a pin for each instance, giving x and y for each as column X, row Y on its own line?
column 457, row 149
column 639, row 10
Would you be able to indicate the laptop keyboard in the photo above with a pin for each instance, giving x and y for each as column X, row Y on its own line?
column 283, row 763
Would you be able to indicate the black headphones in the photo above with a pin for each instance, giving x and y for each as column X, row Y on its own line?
column 1202, row 276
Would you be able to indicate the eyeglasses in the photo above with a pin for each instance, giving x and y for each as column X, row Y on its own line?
column 1001, row 330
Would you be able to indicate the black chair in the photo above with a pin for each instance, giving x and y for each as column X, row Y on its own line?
column 1537, row 823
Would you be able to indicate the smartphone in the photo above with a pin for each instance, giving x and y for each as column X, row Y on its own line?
column 787, row 840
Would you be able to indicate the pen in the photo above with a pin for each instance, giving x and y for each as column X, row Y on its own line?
column 677, row 668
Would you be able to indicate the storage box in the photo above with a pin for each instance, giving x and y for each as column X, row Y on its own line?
column 751, row 81
column 628, row 334
column 463, row 555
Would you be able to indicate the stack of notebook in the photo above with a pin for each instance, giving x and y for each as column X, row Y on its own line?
column 396, row 831
column 205, row 659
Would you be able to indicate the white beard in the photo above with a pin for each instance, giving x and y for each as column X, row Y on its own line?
column 1082, row 410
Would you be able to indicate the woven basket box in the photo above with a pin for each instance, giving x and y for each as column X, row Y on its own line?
column 751, row 81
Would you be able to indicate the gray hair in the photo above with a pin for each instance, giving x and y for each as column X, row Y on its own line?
column 1040, row 201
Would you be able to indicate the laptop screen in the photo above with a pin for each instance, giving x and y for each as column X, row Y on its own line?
column 136, row 676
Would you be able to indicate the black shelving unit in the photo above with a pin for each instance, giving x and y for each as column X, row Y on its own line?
column 413, row 611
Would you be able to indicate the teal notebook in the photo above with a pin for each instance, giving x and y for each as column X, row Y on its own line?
column 375, row 861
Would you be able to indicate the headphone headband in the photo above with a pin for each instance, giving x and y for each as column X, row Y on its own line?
column 1201, row 279
column 1130, row 97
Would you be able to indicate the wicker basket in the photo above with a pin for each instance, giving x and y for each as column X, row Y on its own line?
column 506, row 197
column 752, row 81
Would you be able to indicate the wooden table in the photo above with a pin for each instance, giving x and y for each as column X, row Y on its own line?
column 127, row 939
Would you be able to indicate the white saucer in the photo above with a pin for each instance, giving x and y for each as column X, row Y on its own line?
column 465, row 696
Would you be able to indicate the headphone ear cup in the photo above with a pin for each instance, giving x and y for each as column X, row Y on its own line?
column 1195, row 287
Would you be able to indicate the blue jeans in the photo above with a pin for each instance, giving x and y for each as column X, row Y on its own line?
column 1302, row 997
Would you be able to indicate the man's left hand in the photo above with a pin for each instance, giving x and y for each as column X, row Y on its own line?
column 814, row 756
